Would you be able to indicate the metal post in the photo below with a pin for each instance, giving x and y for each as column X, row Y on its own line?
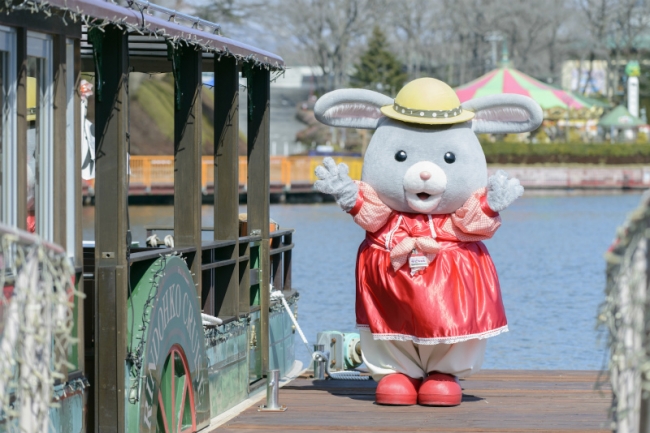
column 272, row 391
column 320, row 363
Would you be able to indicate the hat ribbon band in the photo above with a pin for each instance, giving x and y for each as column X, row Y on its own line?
column 428, row 113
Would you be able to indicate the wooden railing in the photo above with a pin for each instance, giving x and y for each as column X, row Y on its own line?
column 281, row 246
column 217, row 265
column 148, row 171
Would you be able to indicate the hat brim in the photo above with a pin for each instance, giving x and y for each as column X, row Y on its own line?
column 389, row 111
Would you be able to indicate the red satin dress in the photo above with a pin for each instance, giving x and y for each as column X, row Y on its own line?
column 455, row 298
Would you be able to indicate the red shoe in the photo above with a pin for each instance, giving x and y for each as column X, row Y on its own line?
column 440, row 389
column 397, row 389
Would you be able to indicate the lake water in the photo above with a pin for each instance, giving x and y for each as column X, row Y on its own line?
column 548, row 253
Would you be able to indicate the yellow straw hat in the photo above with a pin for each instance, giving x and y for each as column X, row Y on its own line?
column 427, row 101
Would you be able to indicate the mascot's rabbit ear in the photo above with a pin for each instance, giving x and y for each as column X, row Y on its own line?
column 504, row 114
column 351, row 108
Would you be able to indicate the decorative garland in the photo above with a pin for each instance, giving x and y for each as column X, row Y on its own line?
column 37, row 301
column 625, row 315
column 221, row 333
column 70, row 388
column 143, row 28
column 135, row 356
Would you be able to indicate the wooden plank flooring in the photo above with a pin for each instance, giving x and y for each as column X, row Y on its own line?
column 493, row 401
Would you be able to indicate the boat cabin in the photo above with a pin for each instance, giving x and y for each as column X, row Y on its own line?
column 166, row 337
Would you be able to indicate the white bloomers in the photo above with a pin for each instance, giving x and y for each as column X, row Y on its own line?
column 383, row 357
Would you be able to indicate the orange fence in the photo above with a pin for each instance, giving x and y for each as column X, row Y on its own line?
column 148, row 171
column 155, row 174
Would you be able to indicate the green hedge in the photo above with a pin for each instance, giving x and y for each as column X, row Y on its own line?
column 566, row 153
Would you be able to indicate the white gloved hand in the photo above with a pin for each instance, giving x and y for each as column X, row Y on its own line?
column 501, row 191
column 334, row 180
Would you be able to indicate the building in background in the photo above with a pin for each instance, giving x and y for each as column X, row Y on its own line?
column 588, row 78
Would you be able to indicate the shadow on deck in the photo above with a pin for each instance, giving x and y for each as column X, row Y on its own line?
column 493, row 401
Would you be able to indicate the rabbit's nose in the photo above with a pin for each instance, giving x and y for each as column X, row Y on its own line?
column 425, row 175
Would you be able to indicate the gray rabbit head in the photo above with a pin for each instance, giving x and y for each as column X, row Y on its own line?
column 430, row 169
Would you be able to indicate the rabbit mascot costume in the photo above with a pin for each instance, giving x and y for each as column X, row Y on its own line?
column 427, row 291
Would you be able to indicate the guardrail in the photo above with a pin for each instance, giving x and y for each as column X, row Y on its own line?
column 148, row 172
column 217, row 260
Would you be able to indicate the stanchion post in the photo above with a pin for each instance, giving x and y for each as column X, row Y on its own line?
column 272, row 393
column 319, row 364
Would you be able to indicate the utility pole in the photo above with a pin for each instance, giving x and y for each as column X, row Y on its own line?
column 494, row 38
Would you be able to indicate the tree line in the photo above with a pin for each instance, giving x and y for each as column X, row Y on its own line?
column 453, row 40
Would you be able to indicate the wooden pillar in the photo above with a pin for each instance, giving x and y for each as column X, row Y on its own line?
column 111, row 194
column 226, row 179
column 258, row 188
column 59, row 142
column 59, row 158
column 186, row 64
column 21, row 127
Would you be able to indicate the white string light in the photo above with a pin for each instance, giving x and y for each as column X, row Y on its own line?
column 144, row 28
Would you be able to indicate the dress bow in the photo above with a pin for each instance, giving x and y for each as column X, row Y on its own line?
column 399, row 254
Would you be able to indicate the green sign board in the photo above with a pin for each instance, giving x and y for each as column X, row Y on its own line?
column 169, row 383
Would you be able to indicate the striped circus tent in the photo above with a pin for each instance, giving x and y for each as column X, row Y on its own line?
column 509, row 80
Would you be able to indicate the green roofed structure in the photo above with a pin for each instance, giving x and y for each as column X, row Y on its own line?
column 620, row 125
column 619, row 118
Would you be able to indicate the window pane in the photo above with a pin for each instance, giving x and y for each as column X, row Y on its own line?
column 34, row 81
column 39, row 135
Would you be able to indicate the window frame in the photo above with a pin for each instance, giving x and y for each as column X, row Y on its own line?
column 71, row 149
column 9, row 192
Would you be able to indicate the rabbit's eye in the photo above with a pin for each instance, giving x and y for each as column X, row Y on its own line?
column 400, row 156
column 450, row 158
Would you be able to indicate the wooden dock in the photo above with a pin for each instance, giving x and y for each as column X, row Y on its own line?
column 493, row 401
